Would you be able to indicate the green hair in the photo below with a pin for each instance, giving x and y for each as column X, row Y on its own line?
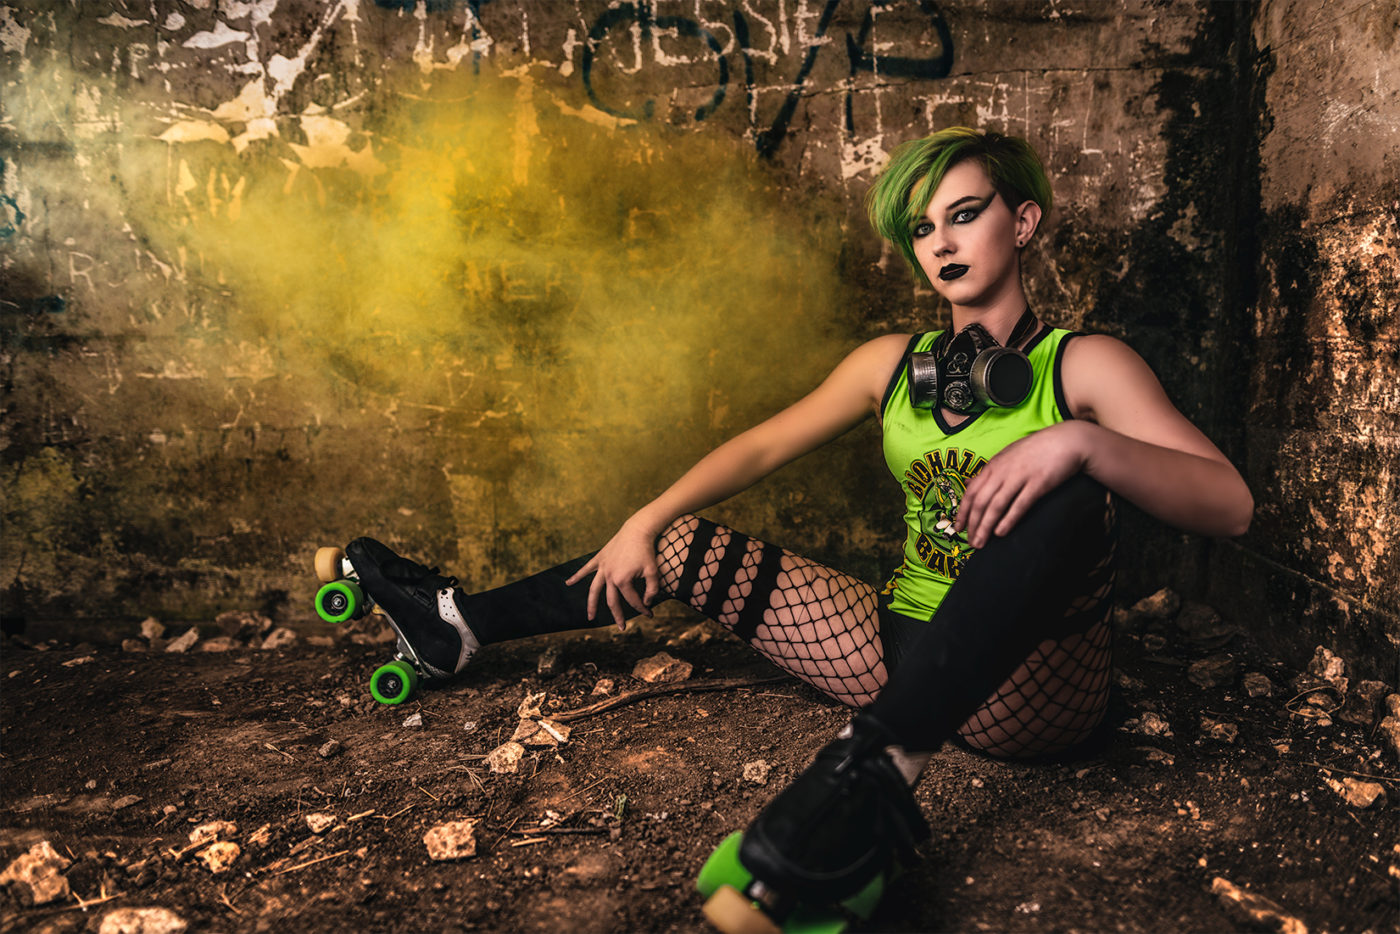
column 902, row 192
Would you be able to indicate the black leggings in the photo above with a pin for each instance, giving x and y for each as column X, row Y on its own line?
column 1015, row 660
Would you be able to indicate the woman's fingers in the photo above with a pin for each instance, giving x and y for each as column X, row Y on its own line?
column 653, row 580
column 583, row 572
column 991, row 511
column 629, row 593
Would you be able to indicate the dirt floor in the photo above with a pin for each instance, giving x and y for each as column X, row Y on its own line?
column 114, row 756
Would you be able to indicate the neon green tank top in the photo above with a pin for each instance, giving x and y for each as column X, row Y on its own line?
column 933, row 462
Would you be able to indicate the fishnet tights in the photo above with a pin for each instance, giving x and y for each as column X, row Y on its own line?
column 823, row 626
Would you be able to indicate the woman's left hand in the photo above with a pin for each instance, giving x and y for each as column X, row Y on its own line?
column 1018, row 475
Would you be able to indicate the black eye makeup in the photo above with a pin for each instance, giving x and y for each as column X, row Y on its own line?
column 962, row 211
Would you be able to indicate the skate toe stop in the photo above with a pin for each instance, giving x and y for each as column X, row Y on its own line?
column 729, row 911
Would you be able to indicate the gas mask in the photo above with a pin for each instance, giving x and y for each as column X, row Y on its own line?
column 971, row 372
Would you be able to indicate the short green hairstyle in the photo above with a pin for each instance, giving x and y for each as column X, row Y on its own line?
column 902, row 192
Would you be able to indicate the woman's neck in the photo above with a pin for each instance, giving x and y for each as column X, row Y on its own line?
column 999, row 318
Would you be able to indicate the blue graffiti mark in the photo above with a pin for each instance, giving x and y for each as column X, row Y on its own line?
column 640, row 13
column 51, row 304
column 767, row 142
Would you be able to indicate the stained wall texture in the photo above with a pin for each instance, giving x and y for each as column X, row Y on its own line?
column 481, row 277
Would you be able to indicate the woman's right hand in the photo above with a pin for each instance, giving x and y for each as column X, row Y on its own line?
column 629, row 555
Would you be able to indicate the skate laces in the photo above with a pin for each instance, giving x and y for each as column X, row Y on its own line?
column 408, row 573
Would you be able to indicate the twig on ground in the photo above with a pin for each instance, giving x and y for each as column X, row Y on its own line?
column 585, row 788
column 398, row 812
column 1333, row 768
column 310, row 862
column 529, row 841
column 223, row 897
column 427, row 792
column 280, row 752
column 355, row 817
column 561, row 830
column 683, row 687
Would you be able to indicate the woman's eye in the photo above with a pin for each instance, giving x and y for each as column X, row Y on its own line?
column 965, row 215
column 922, row 230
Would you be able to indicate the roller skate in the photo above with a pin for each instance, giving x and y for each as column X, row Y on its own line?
column 821, row 852
column 434, row 640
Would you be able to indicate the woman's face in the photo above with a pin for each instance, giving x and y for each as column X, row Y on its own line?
column 968, row 238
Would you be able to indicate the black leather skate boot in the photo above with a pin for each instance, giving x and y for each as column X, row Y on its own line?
column 840, row 824
column 421, row 606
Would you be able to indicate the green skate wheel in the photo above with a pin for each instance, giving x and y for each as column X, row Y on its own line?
column 394, row 682
column 723, row 868
column 340, row 600
column 863, row 903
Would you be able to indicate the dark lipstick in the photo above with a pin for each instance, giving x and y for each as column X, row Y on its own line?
column 951, row 271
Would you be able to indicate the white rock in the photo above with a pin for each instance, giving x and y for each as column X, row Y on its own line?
column 280, row 638
column 452, row 840
column 544, row 732
column 1161, row 605
column 152, row 628
column 1388, row 735
column 530, row 707
column 319, row 822
column 213, row 830
column 220, row 856
column 218, row 644
column 505, row 758
column 42, row 870
column 604, row 686
column 661, row 668
column 1328, row 667
column 1221, row 730
column 413, row 720
column 185, row 642
column 1357, row 793
column 757, row 771
column 1149, row 724
column 142, row 921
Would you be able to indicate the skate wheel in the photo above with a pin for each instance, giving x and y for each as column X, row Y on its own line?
column 723, row 868
column 393, row 683
column 340, row 600
column 732, row 913
column 328, row 564
column 863, row 903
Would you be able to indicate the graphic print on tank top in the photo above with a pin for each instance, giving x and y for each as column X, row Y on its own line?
column 940, row 480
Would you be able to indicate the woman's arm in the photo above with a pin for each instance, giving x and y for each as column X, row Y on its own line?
column 1129, row 437
column 846, row 397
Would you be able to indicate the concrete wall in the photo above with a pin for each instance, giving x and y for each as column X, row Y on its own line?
column 479, row 278
column 1322, row 403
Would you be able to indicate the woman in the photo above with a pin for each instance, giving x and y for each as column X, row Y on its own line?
column 994, row 628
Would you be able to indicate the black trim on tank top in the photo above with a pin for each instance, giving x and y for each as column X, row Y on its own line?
column 899, row 371
column 947, row 429
column 1061, row 402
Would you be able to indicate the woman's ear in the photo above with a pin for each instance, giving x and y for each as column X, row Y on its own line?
column 1027, row 220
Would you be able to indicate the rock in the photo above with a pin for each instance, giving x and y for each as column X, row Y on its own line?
column 242, row 624
column 1362, row 702
column 530, row 707
column 213, row 830
column 152, row 629
column 1257, row 684
column 126, row 801
column 1163, row 604
column 1197, row 618
column 604, row 686
column 1213, row 671
column 134, row 645
column 142, row 921
column 1357, row 793
column 1388, row 736
column 41, row 869
column 321, row 642
column 661, row 668
column 80, row 660
column 546, row 732
column 698, row 634
column 413, row 720
column 757, row 772
column 185, row 642
column 547, row 665
column 319, row 822
column 505, row 758
column 1220, row 730
column 218, row 644
column 1253, row 910
column 280, row 638
column 218, row 857
column 1391, row 705
column 452, row 840
column 1327, row 667
column 1149, row 724
column 1127, row 682
column 330, row 749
